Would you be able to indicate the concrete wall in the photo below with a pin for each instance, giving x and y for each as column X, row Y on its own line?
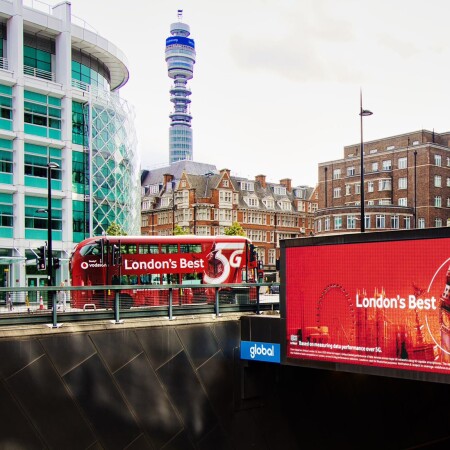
column 147, row 384
column 160, row 384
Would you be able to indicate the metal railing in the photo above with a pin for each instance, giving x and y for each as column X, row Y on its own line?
column 3, row 64
column 22, row 305
column 39, row 73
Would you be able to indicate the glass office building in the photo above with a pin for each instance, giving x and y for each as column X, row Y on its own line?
column 65, row 135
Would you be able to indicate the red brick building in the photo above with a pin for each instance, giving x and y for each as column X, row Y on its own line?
column 406, row 185
column 209, row 202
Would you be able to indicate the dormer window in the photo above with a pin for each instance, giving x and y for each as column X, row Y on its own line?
column 269, row 203
column 247, row 186
column 152, row 189
column 300, row 193
column 285, row 205
column 251, row 201
column 279, row 190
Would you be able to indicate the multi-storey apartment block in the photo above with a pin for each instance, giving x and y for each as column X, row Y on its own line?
column 65, row 135
column 206, row 203
column 406, row 185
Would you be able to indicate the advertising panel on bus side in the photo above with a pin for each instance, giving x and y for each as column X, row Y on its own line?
column 166, row 260
column 372, row 303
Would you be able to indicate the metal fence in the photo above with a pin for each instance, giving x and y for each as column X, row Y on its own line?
column 44, row 304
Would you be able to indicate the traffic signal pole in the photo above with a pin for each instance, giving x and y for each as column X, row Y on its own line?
column 42, row 258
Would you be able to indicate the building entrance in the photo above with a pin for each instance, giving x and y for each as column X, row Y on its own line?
column 33, row 281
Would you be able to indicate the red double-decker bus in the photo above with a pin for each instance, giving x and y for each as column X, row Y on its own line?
column 159, row 260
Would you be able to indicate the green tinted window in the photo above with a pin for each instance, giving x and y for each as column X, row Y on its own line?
column 169, row 248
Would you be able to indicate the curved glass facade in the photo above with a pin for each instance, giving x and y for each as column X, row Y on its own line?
column 114, row 164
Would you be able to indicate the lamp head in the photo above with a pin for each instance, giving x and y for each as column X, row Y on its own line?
column 365, row 112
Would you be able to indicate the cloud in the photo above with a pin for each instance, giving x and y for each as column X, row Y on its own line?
column 298, row 60
column 309, row 45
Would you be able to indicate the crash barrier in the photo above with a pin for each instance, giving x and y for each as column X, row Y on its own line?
column 121, row 301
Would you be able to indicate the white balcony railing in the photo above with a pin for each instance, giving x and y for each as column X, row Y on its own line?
column 3, row 63
column 39, row 73
column 80, row 85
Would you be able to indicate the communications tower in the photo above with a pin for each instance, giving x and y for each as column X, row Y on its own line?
column 180, row 58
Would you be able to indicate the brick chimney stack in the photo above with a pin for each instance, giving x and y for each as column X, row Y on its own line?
column 287, row 182
column 168, row 177
column 262, row 180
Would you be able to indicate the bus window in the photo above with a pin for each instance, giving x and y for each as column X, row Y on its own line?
column 91, row 249
column 145, row 279
column 128, row 249
column 133, row 279
column 169, row 248
column 148, row 249
column 173, row 278
column 131, row 249
column 192, row 278
column 190, row 248
column 124, row 279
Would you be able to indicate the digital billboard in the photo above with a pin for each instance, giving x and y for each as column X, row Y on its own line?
column 371, row 302
column 180, row 40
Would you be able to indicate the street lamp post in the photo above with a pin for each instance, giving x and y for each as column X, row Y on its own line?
column 173, row 207
column 50, row 280
column 415, row 188
column 362, row 113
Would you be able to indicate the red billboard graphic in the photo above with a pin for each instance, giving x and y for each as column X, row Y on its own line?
column 384, row 304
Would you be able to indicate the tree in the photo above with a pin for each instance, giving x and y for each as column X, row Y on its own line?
column 235, row 230
column 115, row 230
column 180, row 230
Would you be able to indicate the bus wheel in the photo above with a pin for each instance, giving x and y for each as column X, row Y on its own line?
column 126, row 302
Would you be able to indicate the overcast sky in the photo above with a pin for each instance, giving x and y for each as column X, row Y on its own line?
column 276, row 82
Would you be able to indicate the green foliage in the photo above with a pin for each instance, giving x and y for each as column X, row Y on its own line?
column 180, row 230
column 235, row 230
column 115, row 230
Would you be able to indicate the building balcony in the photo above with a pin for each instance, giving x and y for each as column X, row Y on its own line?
column 39, row 73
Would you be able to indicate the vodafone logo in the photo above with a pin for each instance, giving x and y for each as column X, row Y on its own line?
column 88, row 264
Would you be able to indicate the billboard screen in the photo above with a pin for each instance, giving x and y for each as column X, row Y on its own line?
column 373, row 303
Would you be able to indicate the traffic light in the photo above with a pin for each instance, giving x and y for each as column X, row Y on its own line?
column 116, row 258
column 253, row 256
column 101, row 244
column 56, row 264
column 42, row 258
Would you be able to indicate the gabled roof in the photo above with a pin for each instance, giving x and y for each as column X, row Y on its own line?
column 155, row 176
column 203, row 184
